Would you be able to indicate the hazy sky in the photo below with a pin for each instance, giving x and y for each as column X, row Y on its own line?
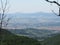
column 30, row 6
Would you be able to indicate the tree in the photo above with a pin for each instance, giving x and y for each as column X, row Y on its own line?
column 3, row 20
column 3, row 10
column 55, row 2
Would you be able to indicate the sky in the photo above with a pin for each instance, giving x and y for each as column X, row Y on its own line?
column 30, row 6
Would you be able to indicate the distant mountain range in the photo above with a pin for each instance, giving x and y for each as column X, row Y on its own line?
column 35, row 20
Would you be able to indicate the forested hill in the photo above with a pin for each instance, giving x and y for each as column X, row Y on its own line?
column 55, row 40
column 7, row 38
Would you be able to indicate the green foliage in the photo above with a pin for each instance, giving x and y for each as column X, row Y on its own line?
column 11, row 39
column 55, row 40
column 8, row 38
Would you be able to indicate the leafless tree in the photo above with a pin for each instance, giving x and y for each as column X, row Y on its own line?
column 3, row 16
column 3, row 10
column 55, row 2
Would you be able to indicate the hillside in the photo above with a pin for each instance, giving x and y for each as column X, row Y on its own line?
column 55, row 40
column 39, row 34
column 7, row 38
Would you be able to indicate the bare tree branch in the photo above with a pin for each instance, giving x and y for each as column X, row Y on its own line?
column 3, row 10
column 5, row 5
column 54, row 12
column 53, row 2
column 2, row 4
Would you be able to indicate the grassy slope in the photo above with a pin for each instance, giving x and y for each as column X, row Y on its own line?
column 11, row 39
column 53, row 40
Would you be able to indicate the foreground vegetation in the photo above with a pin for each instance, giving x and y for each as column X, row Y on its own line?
column 7, row 38
column 55, row 40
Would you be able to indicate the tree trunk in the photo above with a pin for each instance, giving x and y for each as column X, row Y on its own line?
column 59, row 10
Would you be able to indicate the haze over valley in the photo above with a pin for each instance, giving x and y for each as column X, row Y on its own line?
column 38, row 20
